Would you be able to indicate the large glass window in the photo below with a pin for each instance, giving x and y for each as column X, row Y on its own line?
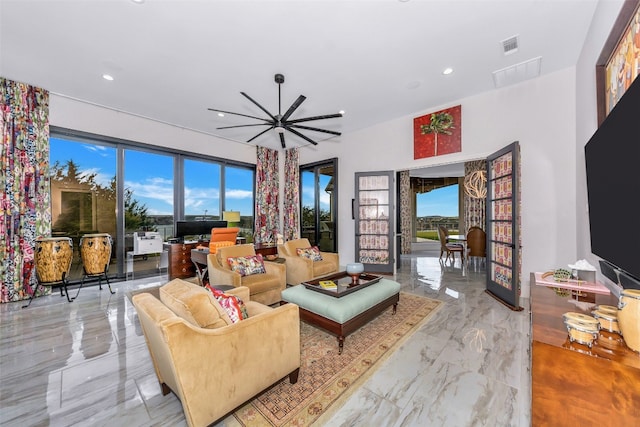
column 318, row 205
column 148, row 208
column 201, row 190
column 238, row 197
column 92, row 192
column 83, row 193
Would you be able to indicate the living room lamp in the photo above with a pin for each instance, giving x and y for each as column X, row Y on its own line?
column 232, row 217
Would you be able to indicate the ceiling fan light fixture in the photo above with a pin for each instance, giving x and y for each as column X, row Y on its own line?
column 281, row 122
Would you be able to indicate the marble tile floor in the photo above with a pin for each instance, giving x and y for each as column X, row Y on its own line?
column 86, row 363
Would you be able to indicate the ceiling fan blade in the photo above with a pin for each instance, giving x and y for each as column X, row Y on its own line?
column 258, row 105
column 238, row 114
column 242, row 126
column 308, row 119
column 332, row 132
column 295, row 132
column 282, row 140
column 293, row 107
column 264, row 131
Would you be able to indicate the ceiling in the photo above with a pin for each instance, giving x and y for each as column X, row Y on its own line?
column 376, row 60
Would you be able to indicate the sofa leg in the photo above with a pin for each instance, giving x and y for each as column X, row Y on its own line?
column 293, row 376
column 165, row 389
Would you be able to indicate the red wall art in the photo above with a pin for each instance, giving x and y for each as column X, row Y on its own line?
column 438, row 133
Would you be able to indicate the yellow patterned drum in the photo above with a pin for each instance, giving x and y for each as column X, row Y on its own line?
column 95, row 250
column 53, row 259
column 629, row 317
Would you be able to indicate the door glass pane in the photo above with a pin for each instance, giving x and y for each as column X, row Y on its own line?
column 238, row 196
column 201, row 190
column 148, row 205
column 308, row 211
column 326, row 231
column 83, row 199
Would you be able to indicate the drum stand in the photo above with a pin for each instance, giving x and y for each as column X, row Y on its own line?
column 61, row 284
column 95, row 276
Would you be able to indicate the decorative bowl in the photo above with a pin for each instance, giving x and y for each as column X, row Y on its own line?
column 354, row 270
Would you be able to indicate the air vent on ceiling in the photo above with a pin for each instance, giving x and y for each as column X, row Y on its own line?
column 510, row 45
column 518, row 73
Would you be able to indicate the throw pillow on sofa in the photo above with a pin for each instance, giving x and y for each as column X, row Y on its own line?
column 247, row 265
column 233, row 305
column 312, row 253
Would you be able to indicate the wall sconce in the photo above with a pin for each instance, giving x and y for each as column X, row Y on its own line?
column 232, row 217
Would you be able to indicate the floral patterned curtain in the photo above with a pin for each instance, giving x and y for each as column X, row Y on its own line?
column 474, row 212
column 405, row 212
column 291, row 195
column 25, row 205
column 267, row 222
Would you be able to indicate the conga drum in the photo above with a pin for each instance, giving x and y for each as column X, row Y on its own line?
column 95, row 251
column 53, row 257
column 629, row 317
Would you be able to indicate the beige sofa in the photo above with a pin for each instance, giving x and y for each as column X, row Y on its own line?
column 212, row 365
column 301, row 269
column 264, row 288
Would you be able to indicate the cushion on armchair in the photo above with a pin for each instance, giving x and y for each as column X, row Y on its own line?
column 194, row 304
column 232, row 304
column 312, row 253
column 247, row 265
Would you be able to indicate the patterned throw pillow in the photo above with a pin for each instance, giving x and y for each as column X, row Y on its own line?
column 247, row 265
column 233, row 305
column 312, row 253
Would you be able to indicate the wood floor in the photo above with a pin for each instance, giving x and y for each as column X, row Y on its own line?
column 86, row 363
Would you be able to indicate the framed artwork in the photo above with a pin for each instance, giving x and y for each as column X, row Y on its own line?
column 619, row 61
column 438, row 133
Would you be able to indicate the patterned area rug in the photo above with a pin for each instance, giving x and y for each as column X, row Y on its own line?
column 327, row 379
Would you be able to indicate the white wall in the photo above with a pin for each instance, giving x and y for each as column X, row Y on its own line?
column 539, row 113
column 586, row 116
column 68, row 113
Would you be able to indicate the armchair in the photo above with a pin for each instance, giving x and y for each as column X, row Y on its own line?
column 265, row 288
column 211, row 364
column 300, row 269
column 222, row 237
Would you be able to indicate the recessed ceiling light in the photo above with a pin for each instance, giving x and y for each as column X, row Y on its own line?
column 138, row 1
column 220, row 115
column 447, row 71
column 107, row 77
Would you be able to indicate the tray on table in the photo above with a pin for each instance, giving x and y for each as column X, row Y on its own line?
column 344, row 285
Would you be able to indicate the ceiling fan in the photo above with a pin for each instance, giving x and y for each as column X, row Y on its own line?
column 281, row 122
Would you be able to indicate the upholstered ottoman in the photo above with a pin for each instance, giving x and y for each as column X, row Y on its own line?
column 341, row 316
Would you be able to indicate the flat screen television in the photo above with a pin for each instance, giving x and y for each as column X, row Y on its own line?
column 200, row 230
column 612, row 157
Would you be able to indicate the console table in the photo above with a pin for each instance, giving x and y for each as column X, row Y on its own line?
column 572, row 384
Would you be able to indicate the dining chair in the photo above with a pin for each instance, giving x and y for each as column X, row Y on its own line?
column 476, row 244
column 449, row 248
